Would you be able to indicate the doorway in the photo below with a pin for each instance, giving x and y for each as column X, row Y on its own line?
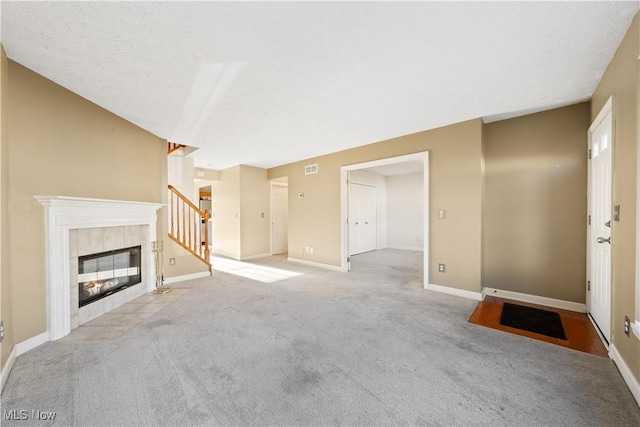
column 279, row 217
column 204, row 204
column 599, row 205
column 347, row 223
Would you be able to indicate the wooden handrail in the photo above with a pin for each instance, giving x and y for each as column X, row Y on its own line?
column 173, row 146
column 186, row 221
column 185, row 199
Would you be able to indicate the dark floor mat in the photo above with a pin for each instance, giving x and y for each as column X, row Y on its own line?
column 533, row 320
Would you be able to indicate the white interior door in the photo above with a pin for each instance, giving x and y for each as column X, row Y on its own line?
column 363, row 234
column 370, row 215
column 599, row 234
column 279, row 218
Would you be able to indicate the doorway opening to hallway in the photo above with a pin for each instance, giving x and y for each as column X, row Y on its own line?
column 385, row 205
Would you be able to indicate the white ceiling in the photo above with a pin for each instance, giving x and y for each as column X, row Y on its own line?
column 265, row 84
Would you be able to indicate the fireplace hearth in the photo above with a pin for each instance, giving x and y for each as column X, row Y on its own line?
column 105, row 273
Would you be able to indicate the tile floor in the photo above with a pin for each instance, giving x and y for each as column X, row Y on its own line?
column 117, row 322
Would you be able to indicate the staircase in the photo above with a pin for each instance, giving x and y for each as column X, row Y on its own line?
column 188, row 226
column 173, row 146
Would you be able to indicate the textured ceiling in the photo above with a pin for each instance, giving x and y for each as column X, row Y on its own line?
column 265, row 83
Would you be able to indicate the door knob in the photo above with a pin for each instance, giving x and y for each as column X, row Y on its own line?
column 602, row 240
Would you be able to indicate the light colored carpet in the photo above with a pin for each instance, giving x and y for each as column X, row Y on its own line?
column 369, row 347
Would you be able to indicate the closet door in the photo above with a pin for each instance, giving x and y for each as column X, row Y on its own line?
column 363, row 225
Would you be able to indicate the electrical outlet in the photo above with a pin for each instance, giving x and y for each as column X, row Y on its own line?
column 172, row 261
column 627, row 325
column 1, row 330
column 310, row 250
column 442, row 268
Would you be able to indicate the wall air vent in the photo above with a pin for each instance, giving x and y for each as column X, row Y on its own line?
column 311, row 169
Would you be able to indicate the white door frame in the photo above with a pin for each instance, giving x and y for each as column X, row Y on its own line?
column 344, row 170
column 606, row 109
column 271, row 185
column 635, row 323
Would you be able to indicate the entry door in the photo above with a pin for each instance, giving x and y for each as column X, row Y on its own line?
column 599, row 245
column 279, row 218
column 363, row 205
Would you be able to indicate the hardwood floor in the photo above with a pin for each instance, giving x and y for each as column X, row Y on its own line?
column 581, row 334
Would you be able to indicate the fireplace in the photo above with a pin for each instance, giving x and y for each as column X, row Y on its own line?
column 76, row 226
column 105, row 273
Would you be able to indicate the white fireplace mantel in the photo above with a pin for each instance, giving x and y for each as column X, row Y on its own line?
column 64, row 213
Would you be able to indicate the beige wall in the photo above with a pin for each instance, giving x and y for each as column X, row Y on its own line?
column 225, row 210
column 185, row 262
column 180, row 173
column 456, row 181
column 621, row 81
column 206, row 174
column 405, row 219
column 254, row 212
column 62, row 144
column 536, row 202
column 238, row 200
column 6, row 311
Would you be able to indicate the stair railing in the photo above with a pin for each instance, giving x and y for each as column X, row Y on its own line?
column 189, row 226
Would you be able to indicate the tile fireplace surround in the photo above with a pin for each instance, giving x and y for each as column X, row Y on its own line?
column 107, row 220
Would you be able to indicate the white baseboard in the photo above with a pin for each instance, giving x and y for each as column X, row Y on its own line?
column 317, row 264
column 477, row 296
column 535, row 299
column 247, row 258
column 631, row 381
column 7, row 368
column 406, row 248
column 20, row 349
column 182, row 278
column 31, row 343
